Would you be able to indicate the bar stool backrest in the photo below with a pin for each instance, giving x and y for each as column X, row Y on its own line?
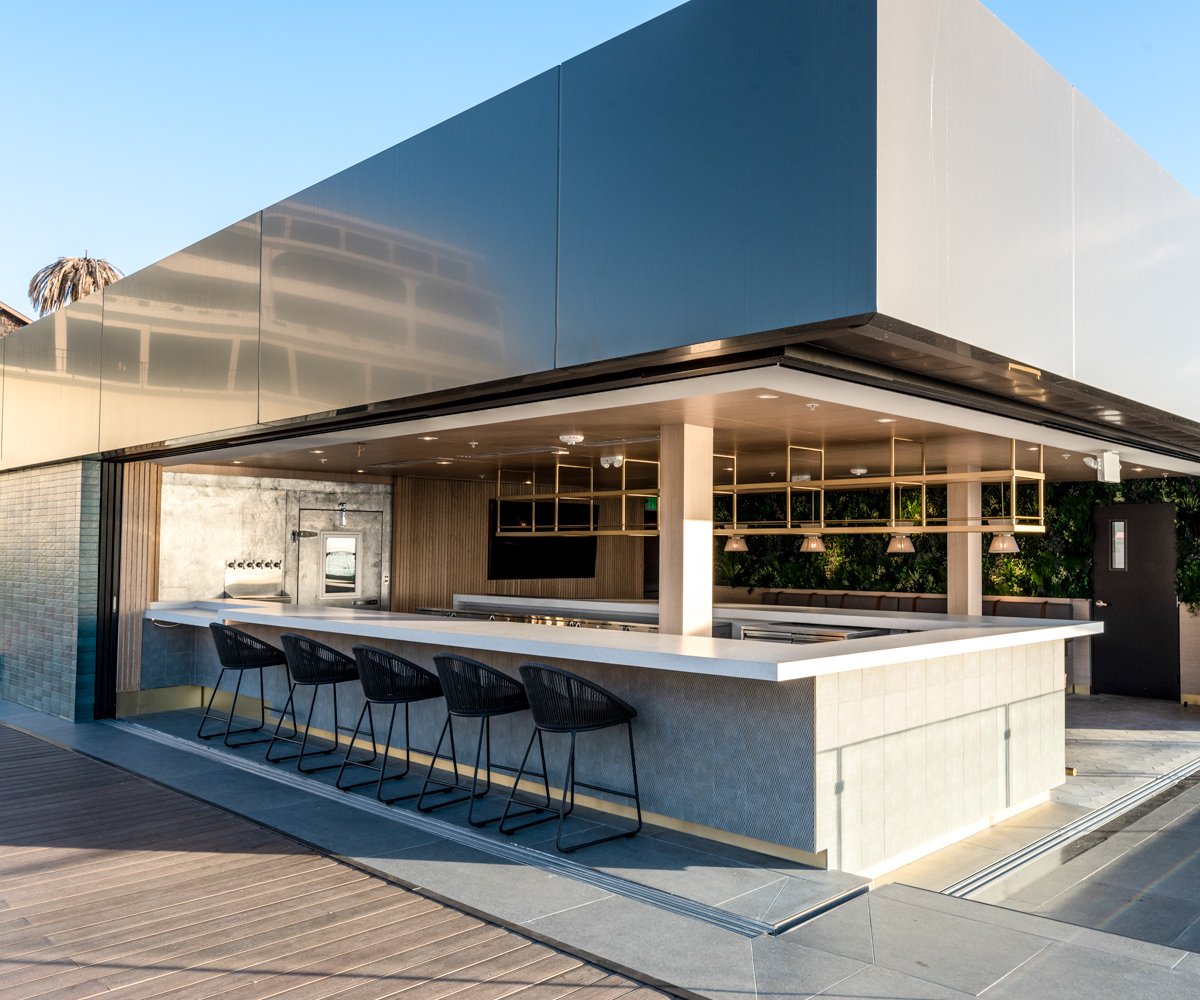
column 238, row 650
column 474, row 688
column 312, row 662
column 388, row 677
column 565, row 702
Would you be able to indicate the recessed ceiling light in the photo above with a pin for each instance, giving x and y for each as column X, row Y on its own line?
column 237, row 461
column 1138, row 468
column 1032, row 447
column 885, row 420
column 427, row 437
column 528, row 482
column 360, row 471
column 560, row 451
column 317, row 451
column 767, row 395
column 444, row 461
column 729, row 468
column 571, row 439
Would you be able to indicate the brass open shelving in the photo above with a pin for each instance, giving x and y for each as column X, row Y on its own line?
column 569, row 503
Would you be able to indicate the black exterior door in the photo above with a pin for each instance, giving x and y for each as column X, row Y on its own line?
column 1133, row 587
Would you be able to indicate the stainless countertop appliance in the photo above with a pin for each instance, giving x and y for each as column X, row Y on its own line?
column 796, row 632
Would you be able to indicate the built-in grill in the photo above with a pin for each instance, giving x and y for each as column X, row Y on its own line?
column 791, row 632
column 796, row 632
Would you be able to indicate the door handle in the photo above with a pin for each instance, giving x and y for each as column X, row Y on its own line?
column 1102, row 604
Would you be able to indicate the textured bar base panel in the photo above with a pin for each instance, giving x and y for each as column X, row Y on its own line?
column 867, row 768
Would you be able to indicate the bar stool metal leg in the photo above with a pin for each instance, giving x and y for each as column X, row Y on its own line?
column 228, row 720
column 445, row 786
column 381, row 767
column 636, row 796
column 304, row 753
column 550, row 814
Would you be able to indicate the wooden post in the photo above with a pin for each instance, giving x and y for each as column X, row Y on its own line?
column 964, row 550
column 685, row 568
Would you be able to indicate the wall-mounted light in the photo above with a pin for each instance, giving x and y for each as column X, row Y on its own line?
column 736, row 543
column 612, row 461
column 1107, row 465
column 341, row 515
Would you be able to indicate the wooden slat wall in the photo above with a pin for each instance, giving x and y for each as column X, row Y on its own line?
column 139, row 566
column 440, row 533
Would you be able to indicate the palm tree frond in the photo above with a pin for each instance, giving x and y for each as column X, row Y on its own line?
column 68, row 280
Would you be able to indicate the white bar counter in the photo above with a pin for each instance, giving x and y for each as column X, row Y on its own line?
column 933, row 635
column 861, row 753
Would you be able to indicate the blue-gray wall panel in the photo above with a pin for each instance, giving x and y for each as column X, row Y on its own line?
column 49, row 552
column 428, row 266
column 718, row 176
column 181, row 343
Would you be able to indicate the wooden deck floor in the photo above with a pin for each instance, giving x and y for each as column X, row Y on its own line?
column 112, row 885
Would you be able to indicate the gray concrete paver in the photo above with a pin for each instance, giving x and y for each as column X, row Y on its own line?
column 1061, row 972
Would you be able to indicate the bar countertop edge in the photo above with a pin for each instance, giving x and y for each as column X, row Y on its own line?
column 766, row 661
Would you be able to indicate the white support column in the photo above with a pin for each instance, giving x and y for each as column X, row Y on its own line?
column 685, row 545
column 964, row 551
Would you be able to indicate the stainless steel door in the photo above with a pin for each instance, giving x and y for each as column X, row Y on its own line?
column 340, row 565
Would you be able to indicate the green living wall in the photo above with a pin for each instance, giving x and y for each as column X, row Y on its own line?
column 1056, row 564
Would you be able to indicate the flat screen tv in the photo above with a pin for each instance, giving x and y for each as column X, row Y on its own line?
column 538, row 557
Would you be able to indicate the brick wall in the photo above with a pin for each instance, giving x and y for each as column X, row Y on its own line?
column 49, row 537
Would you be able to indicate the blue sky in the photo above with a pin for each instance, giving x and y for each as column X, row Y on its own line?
column 151, row 125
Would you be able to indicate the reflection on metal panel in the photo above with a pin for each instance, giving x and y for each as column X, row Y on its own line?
column 1137, row 262
column 718, row 176
column 181, row 343
column 428, row 266
column 974, row 183
column 52, row 386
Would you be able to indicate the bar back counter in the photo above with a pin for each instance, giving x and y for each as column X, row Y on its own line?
column 859, row 754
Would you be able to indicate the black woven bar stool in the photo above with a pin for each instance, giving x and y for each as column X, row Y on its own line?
column 313, row 664
column 563, row 702
column 239, row 651
column 474, row 690
column 387, row 680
